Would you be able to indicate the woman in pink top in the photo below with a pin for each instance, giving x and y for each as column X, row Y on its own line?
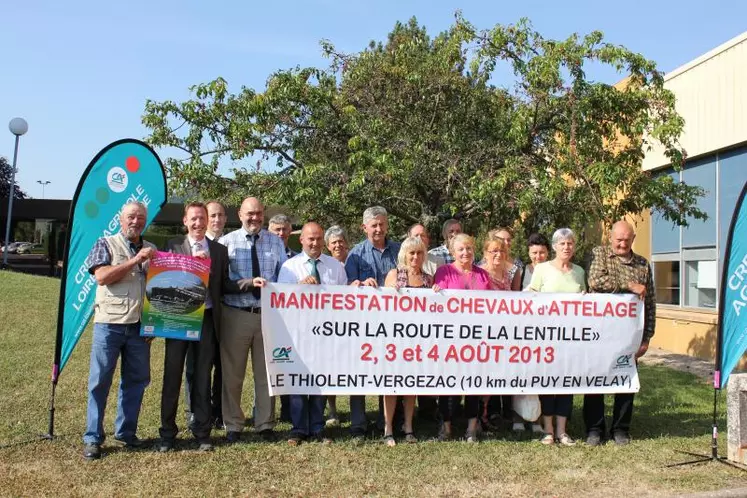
column 462, row 274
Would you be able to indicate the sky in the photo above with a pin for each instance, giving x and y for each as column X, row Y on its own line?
column 80, row 71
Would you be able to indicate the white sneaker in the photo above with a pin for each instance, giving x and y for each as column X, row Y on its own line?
column 517, row 427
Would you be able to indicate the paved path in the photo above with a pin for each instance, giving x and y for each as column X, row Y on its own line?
column 701, row 368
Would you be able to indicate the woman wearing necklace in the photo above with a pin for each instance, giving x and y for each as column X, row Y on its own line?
column 462, row 274
column 512, row 267
column 408, row 274
column 496, row 263
column 495, row 255
column 558, row 275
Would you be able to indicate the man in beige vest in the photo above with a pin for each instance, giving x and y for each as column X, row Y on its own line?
column 119, row 263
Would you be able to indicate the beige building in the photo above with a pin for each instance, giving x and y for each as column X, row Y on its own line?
column 711, row 94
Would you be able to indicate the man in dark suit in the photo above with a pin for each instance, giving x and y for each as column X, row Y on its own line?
column 216, row 222
column 196, row 244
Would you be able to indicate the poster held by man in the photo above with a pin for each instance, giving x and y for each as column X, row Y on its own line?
column 175, row 292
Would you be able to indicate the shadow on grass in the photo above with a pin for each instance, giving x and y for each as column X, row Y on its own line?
column 673, row 404
column 670, row 404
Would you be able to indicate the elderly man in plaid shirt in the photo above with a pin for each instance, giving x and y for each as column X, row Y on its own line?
column 256, row 254
column 617, row 269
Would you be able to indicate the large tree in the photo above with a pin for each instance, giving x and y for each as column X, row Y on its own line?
column 420, row 126
column 6, row 173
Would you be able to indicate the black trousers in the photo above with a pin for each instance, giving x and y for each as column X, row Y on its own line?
column 427, row 407
column 448, row 403
column 622, row 413
column 215, row 390
column 556, row 404
column 173, row 368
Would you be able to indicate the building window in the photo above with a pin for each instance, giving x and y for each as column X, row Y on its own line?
column 667, row 282
column 732, row 168
column 701, row 278
column 702, row 233
column 687, row 261
column 665, row 235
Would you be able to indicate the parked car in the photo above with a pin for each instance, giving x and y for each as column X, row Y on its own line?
column 12, row 248
column 28, row 248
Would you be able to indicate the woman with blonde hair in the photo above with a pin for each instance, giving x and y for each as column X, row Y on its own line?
column 462, row 274
column 408, row 274
column 511, row 266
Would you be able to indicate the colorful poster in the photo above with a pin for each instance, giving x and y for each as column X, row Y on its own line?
column 345, row 340
column 175, row 291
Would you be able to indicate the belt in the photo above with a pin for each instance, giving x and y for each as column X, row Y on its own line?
column 249, row 309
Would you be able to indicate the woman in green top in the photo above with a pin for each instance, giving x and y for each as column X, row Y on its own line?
column 558, row 275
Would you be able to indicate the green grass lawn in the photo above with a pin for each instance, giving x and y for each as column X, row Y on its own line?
column 673, row 412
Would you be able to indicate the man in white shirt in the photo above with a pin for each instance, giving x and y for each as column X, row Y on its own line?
column 313, row 268
column 216, row 220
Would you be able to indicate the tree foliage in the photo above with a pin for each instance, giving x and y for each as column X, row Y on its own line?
column 6, row 174
column 420, row 126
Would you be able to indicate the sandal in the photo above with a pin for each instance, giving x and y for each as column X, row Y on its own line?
column 547, row 439
column 389, row 440
column 443, row 434
column 410, row 438
column 294, row 441
column 566, row 440
column 470, row 437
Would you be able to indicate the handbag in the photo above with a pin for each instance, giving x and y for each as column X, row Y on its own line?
column 527, row 406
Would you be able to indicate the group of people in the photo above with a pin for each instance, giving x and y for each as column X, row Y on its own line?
column 243, row 261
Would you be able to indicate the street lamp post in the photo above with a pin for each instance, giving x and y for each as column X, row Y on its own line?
column 43, row 184
column 18, row 127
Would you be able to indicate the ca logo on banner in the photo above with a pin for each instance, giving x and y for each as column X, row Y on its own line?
column 117, row 179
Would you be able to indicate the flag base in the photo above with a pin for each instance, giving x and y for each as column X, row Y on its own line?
column 707, row 459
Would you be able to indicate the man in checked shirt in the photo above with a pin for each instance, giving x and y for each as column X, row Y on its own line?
column 617, row 269
column 253, row 253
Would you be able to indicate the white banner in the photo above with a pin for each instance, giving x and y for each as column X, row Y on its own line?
column 344, row 340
